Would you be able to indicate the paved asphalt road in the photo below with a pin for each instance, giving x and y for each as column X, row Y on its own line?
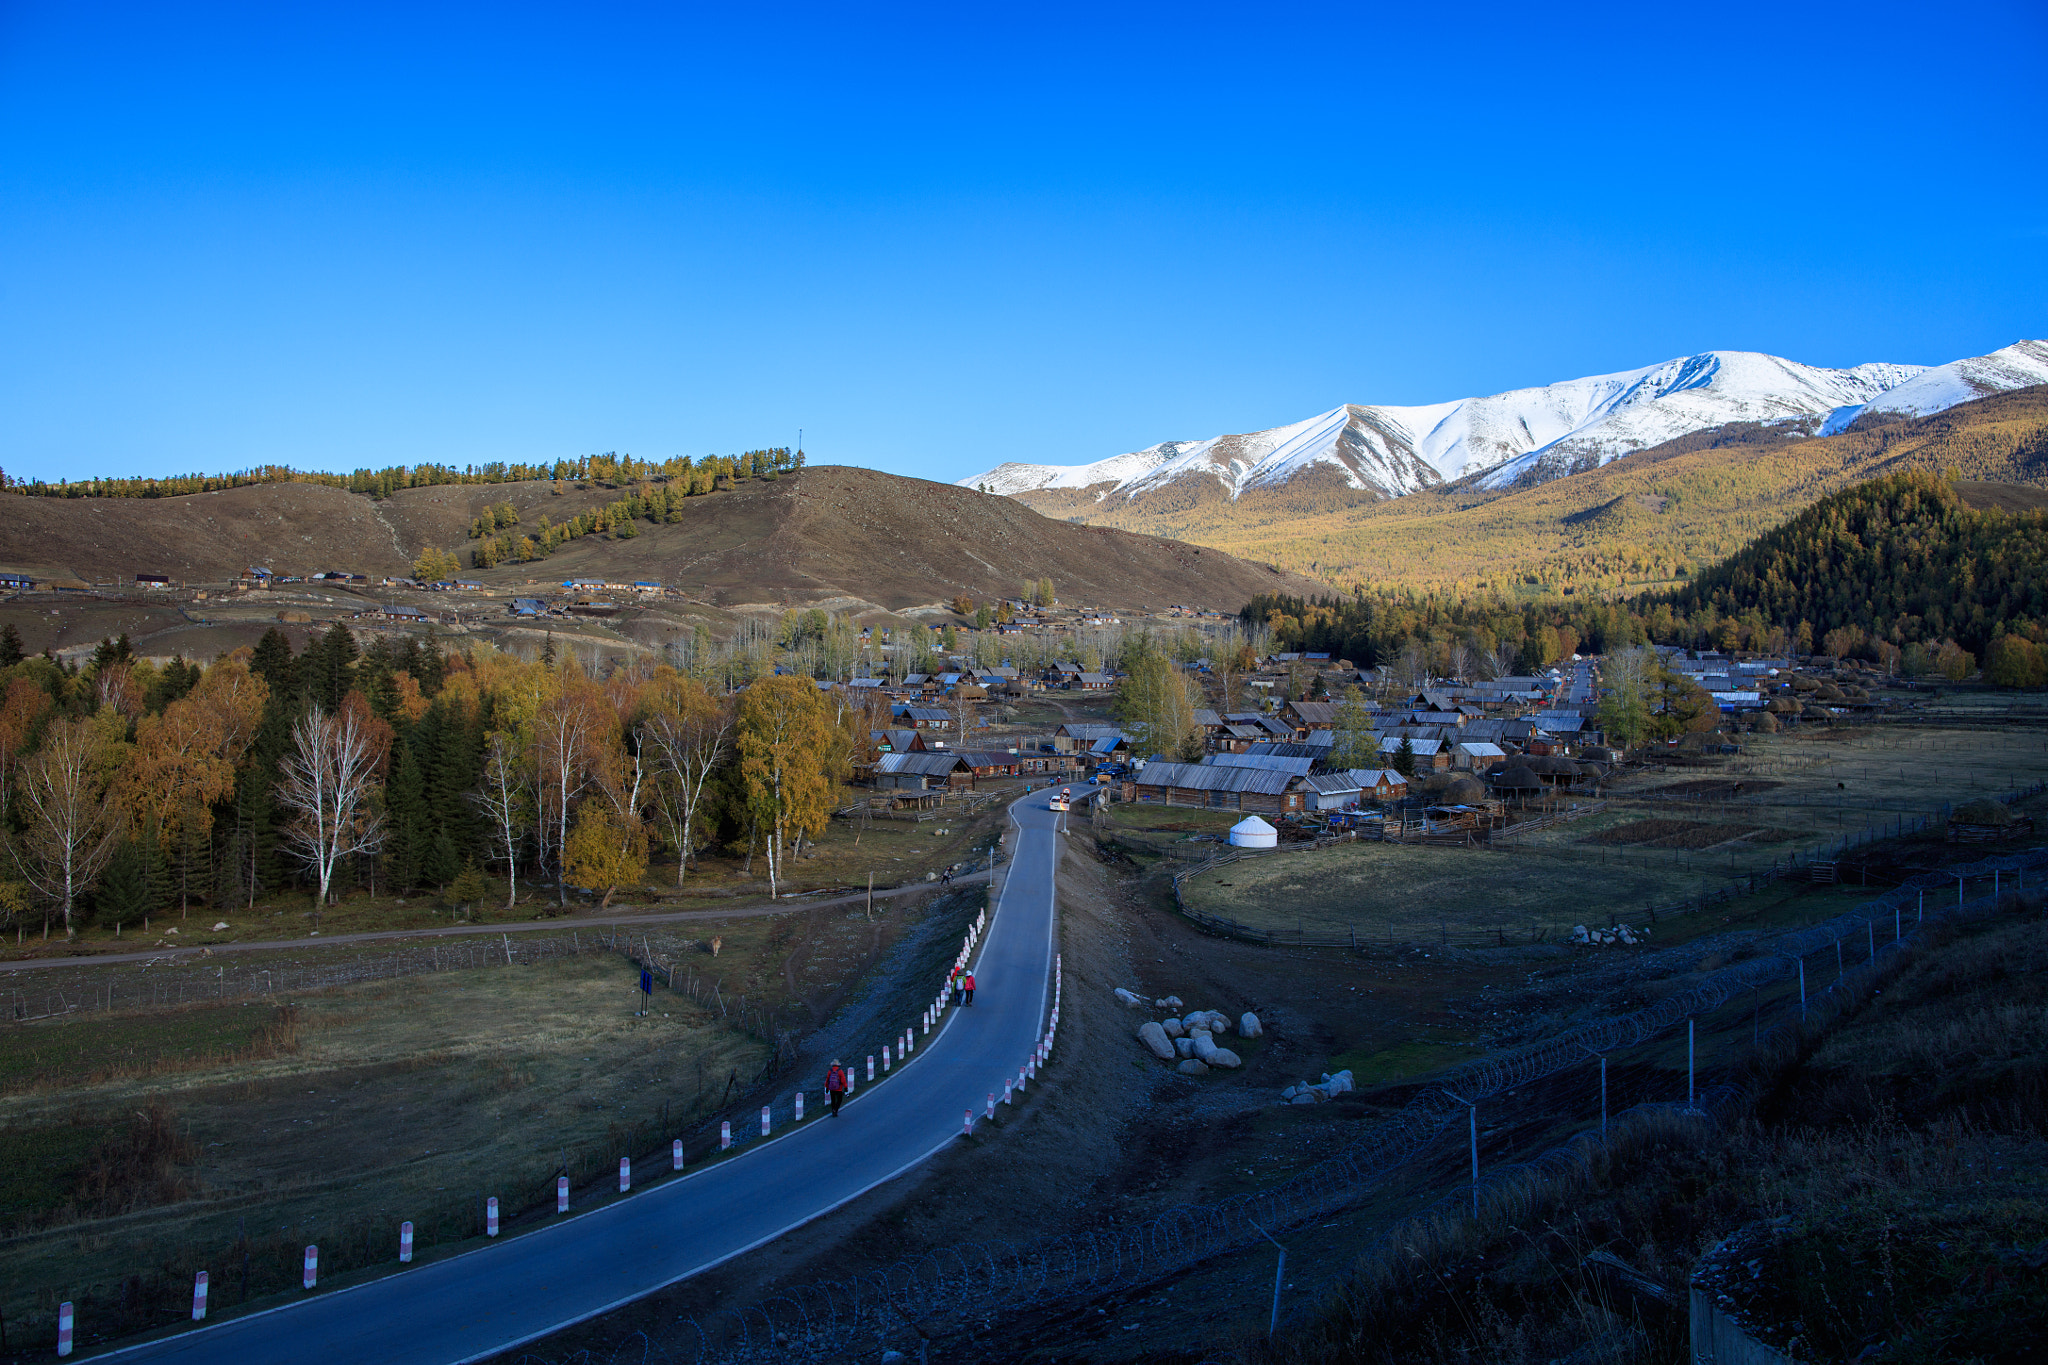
column 472, row 1306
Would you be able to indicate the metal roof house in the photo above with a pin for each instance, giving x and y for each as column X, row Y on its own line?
column 1195, row 784
column 918, row 772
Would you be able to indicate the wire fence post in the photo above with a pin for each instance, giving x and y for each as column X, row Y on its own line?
column 1279, row 1274
column 1472, row 1123
column 1689, row 1091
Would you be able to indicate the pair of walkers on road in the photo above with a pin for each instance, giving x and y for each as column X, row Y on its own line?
column 963, row 987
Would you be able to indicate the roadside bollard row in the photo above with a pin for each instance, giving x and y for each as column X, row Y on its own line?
column 902, row 1046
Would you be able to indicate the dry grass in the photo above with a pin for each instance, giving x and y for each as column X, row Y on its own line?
column 1910, row 1228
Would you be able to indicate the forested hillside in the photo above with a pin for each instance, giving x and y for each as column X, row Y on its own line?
column 1899, row 561
column 1900, row 570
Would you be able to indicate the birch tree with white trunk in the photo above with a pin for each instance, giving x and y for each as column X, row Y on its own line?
column 71, row 825
column 326, row 782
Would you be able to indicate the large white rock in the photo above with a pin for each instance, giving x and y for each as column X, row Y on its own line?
column 1223, row 1057
column 1173, row 1027
column 1191, row 1067
column 1205, row 1046
column 1128, row 997
column 1154, row 1037
column 1184, row 1045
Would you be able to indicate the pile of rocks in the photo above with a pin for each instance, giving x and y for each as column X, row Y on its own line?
column 1329, row 1088
column 1190, row 1039
column 1620, row 933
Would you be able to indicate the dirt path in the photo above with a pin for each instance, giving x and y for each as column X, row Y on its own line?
column 165, row 956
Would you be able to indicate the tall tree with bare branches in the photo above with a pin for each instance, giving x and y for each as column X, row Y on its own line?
column 686, row 734
column 506, row 800
column 567, row 730
column 326, row 781
column 72, row 826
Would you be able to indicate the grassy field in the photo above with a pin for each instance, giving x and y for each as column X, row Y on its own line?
column 1667, row 834
column 158, row 1143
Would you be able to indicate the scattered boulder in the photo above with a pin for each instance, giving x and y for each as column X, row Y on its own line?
column 1154, row 1037
column 1205, row 1045
column 1191, row 1067
column 1223, row 1057
column 1184, row 1045
column 1249, row 1026
column 1321, row 1093
column 1171, row 1002
column 1621, row 933
column 1128, row 997
column 220, row 926
column 1173, row 1027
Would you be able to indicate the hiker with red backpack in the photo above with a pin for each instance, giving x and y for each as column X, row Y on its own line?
column 835, row 1085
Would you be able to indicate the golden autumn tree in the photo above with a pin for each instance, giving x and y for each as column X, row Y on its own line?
column 185, row 760
column 790, row 755
column 602, row 852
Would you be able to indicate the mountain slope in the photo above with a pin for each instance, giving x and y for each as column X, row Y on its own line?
column 1508, row 440
column 1630, row 521
column 853, row 539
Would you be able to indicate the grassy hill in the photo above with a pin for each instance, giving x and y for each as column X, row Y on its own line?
column 1633, row 522
column 849, row 539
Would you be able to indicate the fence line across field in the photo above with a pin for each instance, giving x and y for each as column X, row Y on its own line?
column 973, row 1283
column 181, row 982
column 1796, row 866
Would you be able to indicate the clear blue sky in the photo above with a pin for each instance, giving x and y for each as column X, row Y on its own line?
column 364, row 234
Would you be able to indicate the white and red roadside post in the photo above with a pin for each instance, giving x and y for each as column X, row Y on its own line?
column 764, row 1120
column 967, row 1125
column 799, row 1106
column 199, row 1297
column 312, row 1275
column 991, row 1104
column 491, row 1216
column 725, row 1135
column 675, row 1154
column 910, row 1039
column 561, row 1194
column 885, row 1059
column 871, row 1068
column 64, row 1328
column 405, row 1241
column 1007, row 1086
column 625, row 1174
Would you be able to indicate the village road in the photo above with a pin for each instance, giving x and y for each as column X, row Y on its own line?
column 472, row 1306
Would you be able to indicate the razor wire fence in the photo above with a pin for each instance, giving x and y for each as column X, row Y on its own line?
column 966, row 1285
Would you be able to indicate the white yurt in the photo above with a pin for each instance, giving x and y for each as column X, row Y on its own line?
column 1252, row 832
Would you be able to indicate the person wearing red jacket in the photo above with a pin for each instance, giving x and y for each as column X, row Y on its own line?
column 967, row 986
column 835, row 1085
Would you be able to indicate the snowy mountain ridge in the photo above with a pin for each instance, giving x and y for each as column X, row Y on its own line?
column 1527, row 436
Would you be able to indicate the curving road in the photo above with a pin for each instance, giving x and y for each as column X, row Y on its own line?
column 475, row 1305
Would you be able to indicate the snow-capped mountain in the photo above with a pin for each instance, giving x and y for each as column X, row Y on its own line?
column 2018, row 366
column 1529, row 435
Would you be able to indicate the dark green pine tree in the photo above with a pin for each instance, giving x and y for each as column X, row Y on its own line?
column 456, row 770
column 124, row 894
column 1404, row 757
column 410, row 822
column 273, row 662
column 332, row 670
column 11, row 652
column 440, row 866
